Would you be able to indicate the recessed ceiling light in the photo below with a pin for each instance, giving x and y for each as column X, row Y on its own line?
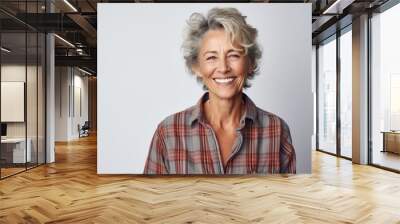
column 5, row 50
column 70, row 5
column 64, row 40
column 84, row 71
column 338, row 6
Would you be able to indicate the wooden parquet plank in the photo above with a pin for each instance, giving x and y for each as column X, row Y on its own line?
column 70, row 191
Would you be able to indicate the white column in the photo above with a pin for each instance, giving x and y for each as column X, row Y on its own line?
column 50, row 110
column 360, row 90
column 63, row 112
column 50, row 92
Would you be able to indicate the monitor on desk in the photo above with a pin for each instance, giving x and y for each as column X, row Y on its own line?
column 3, row 130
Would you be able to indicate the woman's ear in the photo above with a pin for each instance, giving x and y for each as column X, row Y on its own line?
column 250, row 69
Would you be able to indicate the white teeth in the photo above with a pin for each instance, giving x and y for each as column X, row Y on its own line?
column 224, row 80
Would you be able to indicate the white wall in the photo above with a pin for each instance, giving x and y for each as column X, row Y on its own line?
column 61, row 103
column 79, row 117
column 67, row 117
column 142, row 79
column 15, row 73
column 12, row 101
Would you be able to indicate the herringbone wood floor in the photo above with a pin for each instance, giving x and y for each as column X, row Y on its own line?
column 70, row 191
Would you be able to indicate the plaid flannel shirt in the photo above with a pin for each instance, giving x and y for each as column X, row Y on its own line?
column 184, row 143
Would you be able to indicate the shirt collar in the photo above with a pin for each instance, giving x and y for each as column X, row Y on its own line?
column 198, row 113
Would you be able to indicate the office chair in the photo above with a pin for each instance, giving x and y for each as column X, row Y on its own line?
column 84, row 130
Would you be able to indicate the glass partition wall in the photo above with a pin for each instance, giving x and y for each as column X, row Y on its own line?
column 22, row 88
column 13, row 88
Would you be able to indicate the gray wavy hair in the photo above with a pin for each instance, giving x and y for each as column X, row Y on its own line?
column 232, row 21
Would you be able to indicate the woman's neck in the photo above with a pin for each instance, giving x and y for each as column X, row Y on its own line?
column 224, row 113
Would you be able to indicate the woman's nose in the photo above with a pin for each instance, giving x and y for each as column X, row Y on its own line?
column 223, row 65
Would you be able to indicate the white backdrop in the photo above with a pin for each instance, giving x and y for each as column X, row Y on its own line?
column 142, row 77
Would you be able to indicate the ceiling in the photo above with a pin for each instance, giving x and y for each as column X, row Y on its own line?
column 76, row 22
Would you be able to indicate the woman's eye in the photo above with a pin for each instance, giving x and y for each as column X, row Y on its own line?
column 234, row 56
column 211, row 58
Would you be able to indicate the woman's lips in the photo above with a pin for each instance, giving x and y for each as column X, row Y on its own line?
column 226, row 80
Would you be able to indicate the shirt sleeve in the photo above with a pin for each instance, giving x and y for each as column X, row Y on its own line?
column 156, row 162
column 287, row 154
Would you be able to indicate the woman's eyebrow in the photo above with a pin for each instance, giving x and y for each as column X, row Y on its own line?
column 229, row 51
column 212, row 52
column 235, row 50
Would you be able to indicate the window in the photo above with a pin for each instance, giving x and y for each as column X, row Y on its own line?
column 346, row 93
column 385, row 88
column 327, row 96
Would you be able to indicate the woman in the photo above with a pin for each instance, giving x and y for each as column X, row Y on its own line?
column 224, row 133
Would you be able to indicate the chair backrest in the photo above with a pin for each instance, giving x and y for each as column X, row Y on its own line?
column 86, row 125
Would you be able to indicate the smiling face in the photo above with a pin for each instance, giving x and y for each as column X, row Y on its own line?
column 221, row 65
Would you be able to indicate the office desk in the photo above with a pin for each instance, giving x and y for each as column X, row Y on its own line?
column 13, row 150
column 391, row 141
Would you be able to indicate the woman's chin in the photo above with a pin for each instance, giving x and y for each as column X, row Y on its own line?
column 225, row 95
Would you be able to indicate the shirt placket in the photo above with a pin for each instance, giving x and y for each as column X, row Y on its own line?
column 214, row 138
column 236, row 148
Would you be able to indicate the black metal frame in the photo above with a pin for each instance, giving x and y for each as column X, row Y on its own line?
column 338, row 98
column 45, row 90
column 0, row 89
column 316, row 97
column 37, row 91
column 369, row 90
column 26, row 89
